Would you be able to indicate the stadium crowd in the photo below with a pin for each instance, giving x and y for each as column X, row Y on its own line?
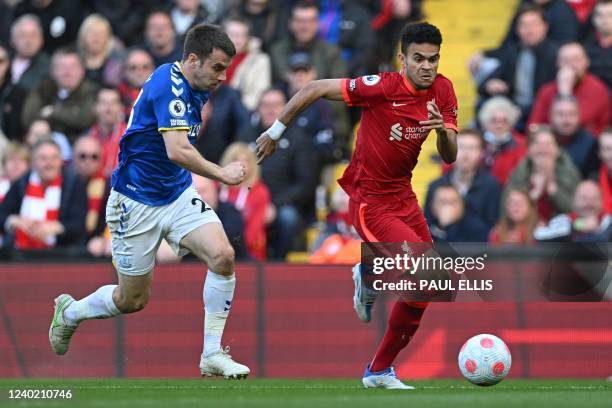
column 536, row 164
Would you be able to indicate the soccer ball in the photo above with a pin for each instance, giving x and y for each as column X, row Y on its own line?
column 484, row 360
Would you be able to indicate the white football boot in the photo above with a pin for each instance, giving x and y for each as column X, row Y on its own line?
column 383, row 379
column 363, row 298
column 222, row 364
column 60, row 332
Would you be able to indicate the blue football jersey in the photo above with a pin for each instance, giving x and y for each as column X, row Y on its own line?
column 166, row 102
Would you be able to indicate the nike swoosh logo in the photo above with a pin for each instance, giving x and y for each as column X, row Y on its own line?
column 398, row 104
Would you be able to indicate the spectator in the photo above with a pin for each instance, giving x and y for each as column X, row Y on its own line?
column 586, row 223
column 526, row 66
column 303, row 27
column 126, row 17
column 15, row 164
column 40, row 129
column 288, row 173
column 28, row 67
column 448, row 222
column 45, row 208
column 504, row 147
column 326, row 122
column 478, row 189
column 347, row 25
column 547, row 172
column 109, row 127
column 251, row 198
column 389, row 19
column 60, row 20
column 30, row 63
column 222, row 117
column 250, row 72
column 573, row 79
column 598, row 44
column 137, row 68
column 185, row 14
column 604, row 173
column 579, row 143
column 99, row 51
column 11, row 98
column 518, row 221
column 267, row 19
column 338, row 243
column 66, row 99
column 88, row 165
column 562, row 21
column 160, row 39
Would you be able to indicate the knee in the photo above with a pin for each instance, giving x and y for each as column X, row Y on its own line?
column 132, row 302
column 222, row 261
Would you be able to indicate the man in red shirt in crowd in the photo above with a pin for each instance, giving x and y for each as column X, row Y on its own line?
column 399, row 111
column 574, row 79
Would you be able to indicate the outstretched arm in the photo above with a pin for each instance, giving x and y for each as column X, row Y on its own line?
column 323, row 88
column 181, row 152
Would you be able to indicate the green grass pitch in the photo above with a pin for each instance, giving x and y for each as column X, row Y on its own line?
column 311, row 393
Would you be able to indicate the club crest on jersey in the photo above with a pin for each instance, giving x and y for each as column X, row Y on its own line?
column 177, row 108
column 371, row 80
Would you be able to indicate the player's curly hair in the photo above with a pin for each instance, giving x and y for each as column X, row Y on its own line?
column 420, row 33
column 203, row 38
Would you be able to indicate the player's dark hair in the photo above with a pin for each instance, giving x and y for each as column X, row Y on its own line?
column 203, row 38
column 530, row 8
column 420, row 33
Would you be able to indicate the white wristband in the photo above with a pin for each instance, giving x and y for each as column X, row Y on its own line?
column 276, row 130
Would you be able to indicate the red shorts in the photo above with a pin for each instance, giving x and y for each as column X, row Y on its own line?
column 395, row 222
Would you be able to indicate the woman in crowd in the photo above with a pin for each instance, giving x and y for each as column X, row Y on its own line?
column 519, row 219
column 100, row 51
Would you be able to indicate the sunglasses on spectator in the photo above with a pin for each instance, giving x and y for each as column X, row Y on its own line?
column 85, row 156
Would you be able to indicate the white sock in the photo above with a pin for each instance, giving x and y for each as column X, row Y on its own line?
column 98, row 305
column 218, row 296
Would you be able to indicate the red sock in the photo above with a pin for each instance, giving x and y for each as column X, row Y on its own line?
column 403, row 323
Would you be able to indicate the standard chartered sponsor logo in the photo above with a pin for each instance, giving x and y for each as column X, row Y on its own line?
column 398, row 132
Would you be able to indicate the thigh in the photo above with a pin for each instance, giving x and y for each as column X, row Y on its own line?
column 136, row 233
column 376, row 224
column 188, row 214
column 206, row 241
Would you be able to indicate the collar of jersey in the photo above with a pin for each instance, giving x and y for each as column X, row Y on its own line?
column 411, row 89
column 180, row 66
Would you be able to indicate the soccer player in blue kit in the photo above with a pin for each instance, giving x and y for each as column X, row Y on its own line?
column 153, row 199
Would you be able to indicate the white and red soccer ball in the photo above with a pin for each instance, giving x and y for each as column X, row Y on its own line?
column 485, row 359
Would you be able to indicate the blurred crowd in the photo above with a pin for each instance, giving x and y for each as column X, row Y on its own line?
column 535, row 165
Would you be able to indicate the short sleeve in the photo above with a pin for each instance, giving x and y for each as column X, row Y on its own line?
column 170, row 105
column 449, row 107
column 362, row 91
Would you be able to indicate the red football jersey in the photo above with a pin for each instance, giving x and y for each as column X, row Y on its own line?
column 390, row 136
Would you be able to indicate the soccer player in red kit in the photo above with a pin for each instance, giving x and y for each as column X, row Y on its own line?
column 399, row 109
